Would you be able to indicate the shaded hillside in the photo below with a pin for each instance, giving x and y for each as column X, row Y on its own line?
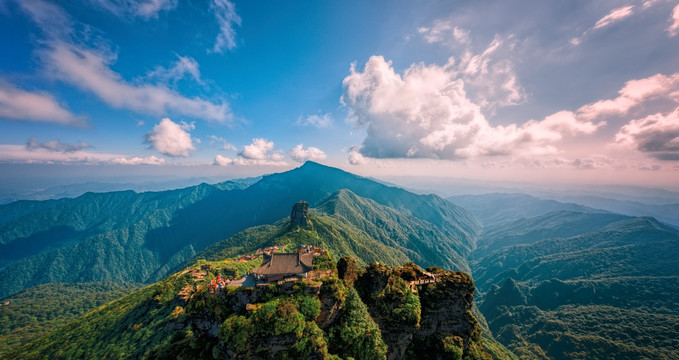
column 40, row 310
column 498, row 208
column 129, row 237
column 349, row 225
column 608, row 293
column 559, row 224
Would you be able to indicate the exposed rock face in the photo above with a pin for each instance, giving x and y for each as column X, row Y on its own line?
column 300, row 214
column 433, row 318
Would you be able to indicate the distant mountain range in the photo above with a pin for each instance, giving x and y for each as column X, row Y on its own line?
column 553, row 279
column 141, row 237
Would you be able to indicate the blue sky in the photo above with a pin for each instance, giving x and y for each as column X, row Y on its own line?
column 560, row 91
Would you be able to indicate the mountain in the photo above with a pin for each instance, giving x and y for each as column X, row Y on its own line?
column 668, row 213
column 37, row 311
column 142, row 237
column 559, row 224
column 608, row 292
column 498, row 208
column 349, row 225
column 378, row 312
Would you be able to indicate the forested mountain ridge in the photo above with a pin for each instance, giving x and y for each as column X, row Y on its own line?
column 606, row 289
column 371, row 313
column 129, row 237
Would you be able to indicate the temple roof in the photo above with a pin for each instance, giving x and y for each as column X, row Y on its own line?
column 282, row 264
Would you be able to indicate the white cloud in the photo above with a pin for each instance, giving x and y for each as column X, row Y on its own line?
column 222, row 161
column 633, row 94
column 299, row 154
column 425, row 113
column 136, row 160
column 489, row 76
column 89, row 70
column 319, row 121
column 145, row 9
column 213, row 140
column 56, row 145
column 355, row 157
column 170, row 138
column 23, row 105
column 673, row 29
column 183, row 67
column 444, row 32
column 225, row 12
column 45, row 155
column 614, row 16
column 656, row 135
column 491, row 82
column 259, row 152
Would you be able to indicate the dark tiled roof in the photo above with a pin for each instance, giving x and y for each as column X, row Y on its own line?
column 282, row 264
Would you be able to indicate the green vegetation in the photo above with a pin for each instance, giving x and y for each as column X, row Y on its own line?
column 610, row 291
column 39, row 310
column 142, row 237
column 179, row 318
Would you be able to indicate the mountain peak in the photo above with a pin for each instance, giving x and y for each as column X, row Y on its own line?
column 300, row 213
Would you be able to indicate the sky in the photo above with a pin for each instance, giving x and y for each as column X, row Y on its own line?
column 556, row 92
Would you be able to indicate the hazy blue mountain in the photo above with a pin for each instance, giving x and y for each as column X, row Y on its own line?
column 141, row 237
column 558, row 224
column 607, row 293
column 668, row 213
column 497, row 208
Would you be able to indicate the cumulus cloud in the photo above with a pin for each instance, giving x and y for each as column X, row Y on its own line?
column 656, row 135
column 319, row 121
column 19, row 104
column 355, row 157
column 170, row 138
column 673, row 29
column 145, row 9
column 56, row 145
column 259, row 152
column 299, row 154
column 633, row 94
column 225, row 12
column 425, row 113
column 614, row 16
column 489, row 76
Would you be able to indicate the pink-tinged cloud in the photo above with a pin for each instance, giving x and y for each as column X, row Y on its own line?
column 145, row 9
column 634, row 93
column 673, row 29
column 89, row 70
column 171, row 139
column 46, row 155
column 655, row 135
column 259, row 152
column 300, row 154
column 614, row 16
column 19, row 104
column 425, row 113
